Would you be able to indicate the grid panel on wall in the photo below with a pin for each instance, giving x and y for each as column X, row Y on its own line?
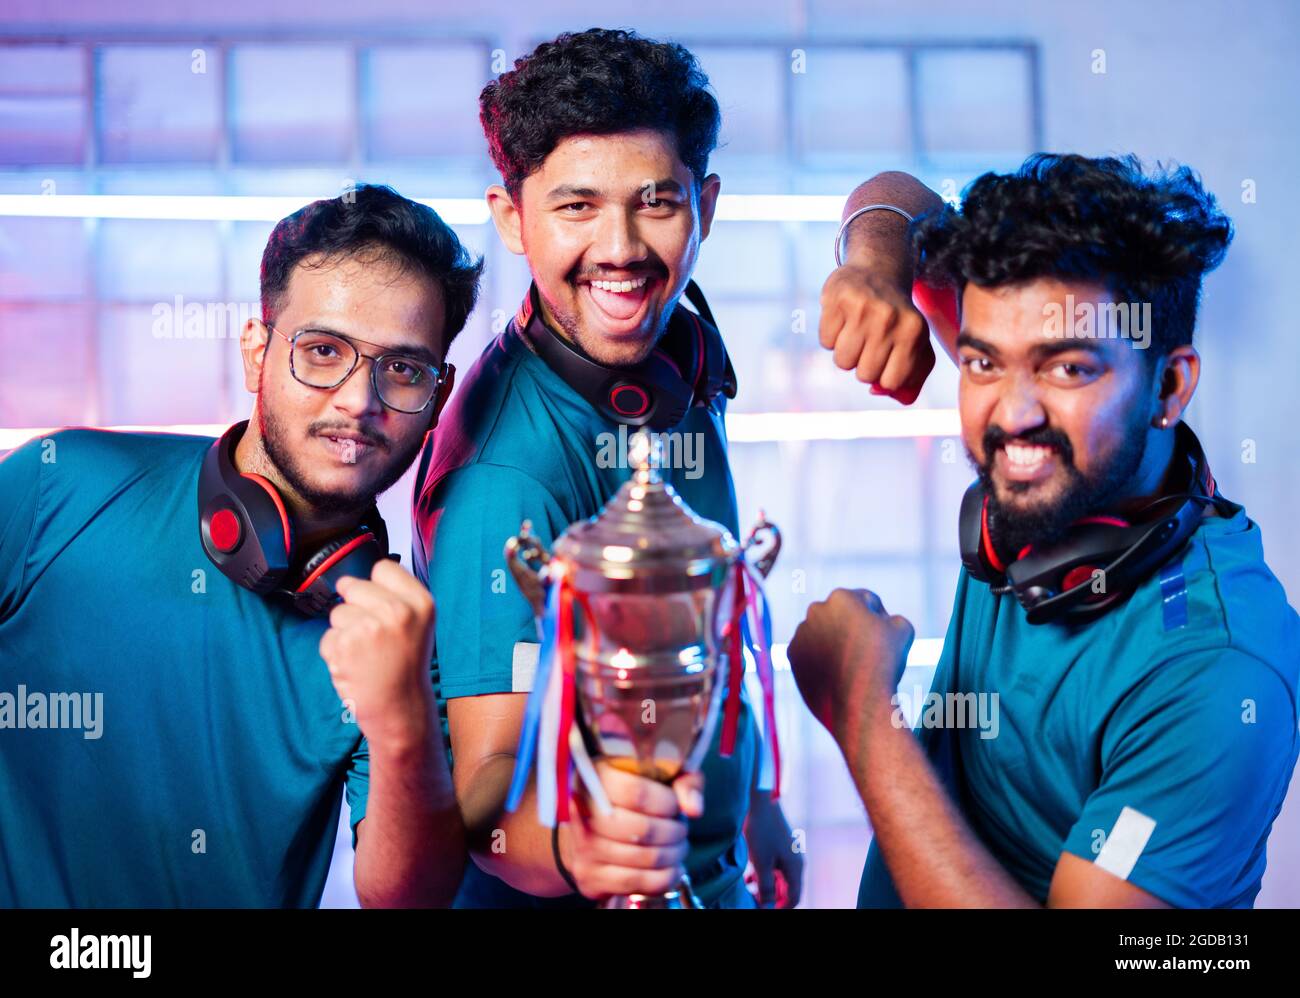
column 213, row 115
column 277, row 116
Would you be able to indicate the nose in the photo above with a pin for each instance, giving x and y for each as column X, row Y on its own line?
column 618, row 241
column 1019, row 408
column 356, row 397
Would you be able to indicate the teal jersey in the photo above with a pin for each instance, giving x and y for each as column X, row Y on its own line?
column 1156, row 741
column 167, row 738
column 517, row 442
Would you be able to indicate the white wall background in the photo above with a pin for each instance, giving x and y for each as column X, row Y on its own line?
column 1211, row 84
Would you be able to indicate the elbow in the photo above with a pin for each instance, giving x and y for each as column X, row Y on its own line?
column 428, row 881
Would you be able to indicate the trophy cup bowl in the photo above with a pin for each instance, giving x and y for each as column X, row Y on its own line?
column 654, row 590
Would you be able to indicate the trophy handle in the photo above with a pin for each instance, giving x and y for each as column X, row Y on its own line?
column 768, row 538
column 527, row 560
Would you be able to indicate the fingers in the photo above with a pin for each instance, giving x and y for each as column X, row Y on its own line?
column 635, row 857
column 832, row 321
column 689, row 788
column 908, row 365
column 766, row 885
column 636, row 829
column 638, row 793
column 399, row 581
column 348, row 615
column 904, row 626
column 848, row 346
column 388, row 586
column 791, row 866
column 626, row 852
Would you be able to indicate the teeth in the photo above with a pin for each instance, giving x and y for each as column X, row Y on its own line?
column 1026, row 457
column 619, row 287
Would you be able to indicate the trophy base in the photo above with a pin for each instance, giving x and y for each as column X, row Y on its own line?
column 682, row 897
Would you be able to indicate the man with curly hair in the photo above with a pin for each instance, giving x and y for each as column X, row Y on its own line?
column 602, row 139
column 1112, row 722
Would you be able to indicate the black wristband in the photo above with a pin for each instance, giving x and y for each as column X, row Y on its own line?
column 559, row 863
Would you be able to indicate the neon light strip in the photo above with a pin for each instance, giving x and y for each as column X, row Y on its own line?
column 201, row 208
column 777, row 427
column 742, row 427
column 454, row 211
column 924, row 654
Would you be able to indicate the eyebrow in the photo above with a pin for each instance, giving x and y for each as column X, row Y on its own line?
column 417, row 351
column 665, row 186
column 1039, row 350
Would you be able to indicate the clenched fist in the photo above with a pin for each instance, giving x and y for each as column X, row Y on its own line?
column 378, row 648
column 871, row 325
column 640, row 846
column 847, row 657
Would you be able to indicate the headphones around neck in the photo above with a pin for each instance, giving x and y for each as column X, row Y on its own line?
column 656, row 392
column 1059, row 581
column 247, row 534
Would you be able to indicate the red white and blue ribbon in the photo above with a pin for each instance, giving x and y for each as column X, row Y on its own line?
column 751, row 625
column 549, row 736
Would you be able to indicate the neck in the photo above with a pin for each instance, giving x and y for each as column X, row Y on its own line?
column 1163, row 472
column 544, row 311
column 311, row 527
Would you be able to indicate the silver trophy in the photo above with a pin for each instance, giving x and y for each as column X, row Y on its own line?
column 654, row 589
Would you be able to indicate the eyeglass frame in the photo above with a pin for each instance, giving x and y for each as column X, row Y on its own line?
column 442, row 372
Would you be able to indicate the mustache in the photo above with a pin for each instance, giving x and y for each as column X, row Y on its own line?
column 367, row 437
column 1044, row 436
column 647, row 270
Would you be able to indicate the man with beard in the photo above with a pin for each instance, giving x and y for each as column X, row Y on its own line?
column 1114, row 611
column 182, row 582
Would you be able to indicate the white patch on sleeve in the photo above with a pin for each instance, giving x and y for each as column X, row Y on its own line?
column 1125, row 842
column 523, row 666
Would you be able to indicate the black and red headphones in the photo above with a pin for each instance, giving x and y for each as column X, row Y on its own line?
column 688, row 367
column 246, row 532
column 1057, row 581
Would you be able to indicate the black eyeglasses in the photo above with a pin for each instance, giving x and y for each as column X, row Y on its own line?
column 320, row 359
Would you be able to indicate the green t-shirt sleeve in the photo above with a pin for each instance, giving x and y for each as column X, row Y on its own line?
column 481, row 614
column 1196, row 761
column 20, row 487
column 357, row 786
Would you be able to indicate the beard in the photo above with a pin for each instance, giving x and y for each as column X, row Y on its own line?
column 281, row 453
column 1012, row 527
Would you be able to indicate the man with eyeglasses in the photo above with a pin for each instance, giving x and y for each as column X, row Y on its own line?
column 178, row 715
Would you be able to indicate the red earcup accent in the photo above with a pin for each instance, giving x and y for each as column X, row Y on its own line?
column 225, row 530
column 1077, row 576
column 1108, row 521
column 990, row 555
column 619, row 392
column 333, row 559
column 279, row 505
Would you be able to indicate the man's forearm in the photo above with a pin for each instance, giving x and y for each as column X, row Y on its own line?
column 510, row 845
column 411, row 844
column 933, row 856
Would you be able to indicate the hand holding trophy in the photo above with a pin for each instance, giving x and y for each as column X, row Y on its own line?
column 640, row 609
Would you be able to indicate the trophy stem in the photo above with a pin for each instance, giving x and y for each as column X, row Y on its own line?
column 682, row 896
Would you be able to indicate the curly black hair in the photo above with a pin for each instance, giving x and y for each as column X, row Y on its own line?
column 599, row 82
column 1146, row 237
column 366, row 218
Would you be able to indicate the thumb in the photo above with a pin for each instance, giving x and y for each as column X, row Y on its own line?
column 766, row 871
column 689, row 788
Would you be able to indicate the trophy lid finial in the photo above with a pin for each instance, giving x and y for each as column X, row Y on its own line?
column 645, row 453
